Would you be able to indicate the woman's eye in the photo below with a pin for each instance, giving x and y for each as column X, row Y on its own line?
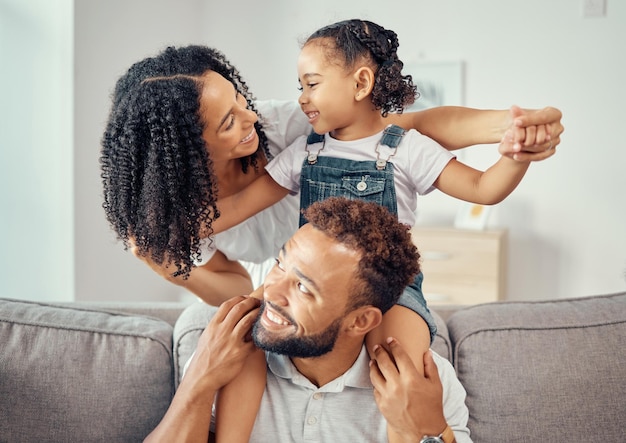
column 231, row 123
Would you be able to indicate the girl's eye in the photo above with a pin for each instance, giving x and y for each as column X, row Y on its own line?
column 303, row 288
column 308, row 85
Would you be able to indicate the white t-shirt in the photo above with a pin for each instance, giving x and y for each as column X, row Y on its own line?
column 417, row 163
column 257, row 241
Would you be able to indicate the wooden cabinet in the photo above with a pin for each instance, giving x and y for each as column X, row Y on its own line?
column 462, row 266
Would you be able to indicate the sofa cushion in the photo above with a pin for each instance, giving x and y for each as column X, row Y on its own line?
column 69, row 375
column 194, row 319
column 543, row 371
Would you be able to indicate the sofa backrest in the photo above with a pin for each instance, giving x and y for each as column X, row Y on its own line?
column 544, row 371
column 195, row 317
column 76, row 375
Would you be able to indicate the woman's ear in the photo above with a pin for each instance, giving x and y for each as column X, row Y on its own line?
column 364, row 78
column 363, row 319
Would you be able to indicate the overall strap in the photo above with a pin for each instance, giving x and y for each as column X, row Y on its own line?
column 392, row 135
column 312, row 139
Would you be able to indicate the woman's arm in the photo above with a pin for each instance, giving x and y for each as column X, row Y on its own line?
column 456, row 127
column 216, row 281
column 257, row 196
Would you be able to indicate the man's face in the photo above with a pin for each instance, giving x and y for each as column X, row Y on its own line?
column 306, row 295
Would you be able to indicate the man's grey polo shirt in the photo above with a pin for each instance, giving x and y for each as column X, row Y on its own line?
column 344, row 410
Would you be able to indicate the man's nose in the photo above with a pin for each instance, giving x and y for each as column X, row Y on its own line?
column 276, row 290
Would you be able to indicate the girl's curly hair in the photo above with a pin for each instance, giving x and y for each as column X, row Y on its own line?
column 389, row 258
column 354, row 40
column 159, row 187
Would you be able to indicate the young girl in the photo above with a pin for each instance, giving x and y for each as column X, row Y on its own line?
column 351, row 79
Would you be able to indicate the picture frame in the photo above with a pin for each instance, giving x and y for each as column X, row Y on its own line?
column 439, row 83
column 472, row 216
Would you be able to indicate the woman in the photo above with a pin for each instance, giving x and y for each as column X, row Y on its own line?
column 177, row 135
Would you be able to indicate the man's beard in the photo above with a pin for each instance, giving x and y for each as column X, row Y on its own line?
column 304, row 347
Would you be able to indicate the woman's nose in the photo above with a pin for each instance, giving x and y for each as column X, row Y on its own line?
column 251, row 116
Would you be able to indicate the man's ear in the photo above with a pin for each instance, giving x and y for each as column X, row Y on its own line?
column 364, row 79
column 363, row 319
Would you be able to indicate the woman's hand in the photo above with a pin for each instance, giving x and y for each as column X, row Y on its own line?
column 533, row 133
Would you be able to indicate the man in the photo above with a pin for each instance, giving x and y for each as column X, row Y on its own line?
column 332, row 282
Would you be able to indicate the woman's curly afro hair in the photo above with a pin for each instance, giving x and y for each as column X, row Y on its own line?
column 159, row 186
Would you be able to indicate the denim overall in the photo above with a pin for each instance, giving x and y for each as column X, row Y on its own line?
column 324, row 177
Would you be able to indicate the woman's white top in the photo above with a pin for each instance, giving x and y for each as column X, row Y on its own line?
column 257, row 241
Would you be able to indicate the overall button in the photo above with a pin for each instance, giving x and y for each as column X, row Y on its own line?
column 361, row 186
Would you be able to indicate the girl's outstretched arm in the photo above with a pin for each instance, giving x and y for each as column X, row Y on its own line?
column 257, row 196
column 486, row 188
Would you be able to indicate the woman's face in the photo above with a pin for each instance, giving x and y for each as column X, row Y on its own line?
column 228, row 123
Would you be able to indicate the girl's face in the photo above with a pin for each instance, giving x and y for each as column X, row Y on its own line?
column 328, row 91
column 228, row 123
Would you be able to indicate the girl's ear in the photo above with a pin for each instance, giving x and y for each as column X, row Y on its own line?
column 363, row 319
column 364, row 78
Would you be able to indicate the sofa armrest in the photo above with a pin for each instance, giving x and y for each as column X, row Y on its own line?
column 543, row 371
column 70, row 374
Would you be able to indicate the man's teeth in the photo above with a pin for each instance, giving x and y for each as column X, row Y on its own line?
column 276, row 319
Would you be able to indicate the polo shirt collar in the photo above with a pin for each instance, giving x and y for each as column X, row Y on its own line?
column 357, row 376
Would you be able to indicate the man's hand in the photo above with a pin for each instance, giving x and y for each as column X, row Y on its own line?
column 220, row 353
column 225, row 343
column 534, row 133
column 411, row 403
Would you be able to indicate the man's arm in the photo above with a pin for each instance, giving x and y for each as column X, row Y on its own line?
column 411, row 403
column 220, row 354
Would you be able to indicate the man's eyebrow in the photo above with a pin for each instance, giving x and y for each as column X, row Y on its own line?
column 299, row 273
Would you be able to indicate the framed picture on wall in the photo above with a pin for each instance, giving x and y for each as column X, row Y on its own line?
column 438, row 82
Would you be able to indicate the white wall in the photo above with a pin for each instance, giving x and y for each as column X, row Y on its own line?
column 110, row 36
column 566, row 218
column 36, row 215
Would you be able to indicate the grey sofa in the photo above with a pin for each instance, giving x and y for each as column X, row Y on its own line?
column 534, row 371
